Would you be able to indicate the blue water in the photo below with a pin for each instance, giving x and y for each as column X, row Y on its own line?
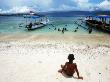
column 13, row 25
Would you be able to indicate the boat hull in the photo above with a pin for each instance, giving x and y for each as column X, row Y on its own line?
column 98, row 25
column 35, row 26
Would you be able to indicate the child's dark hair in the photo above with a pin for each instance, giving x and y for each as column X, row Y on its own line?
column 71, row 57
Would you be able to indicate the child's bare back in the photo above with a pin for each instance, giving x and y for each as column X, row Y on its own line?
column 70, row 68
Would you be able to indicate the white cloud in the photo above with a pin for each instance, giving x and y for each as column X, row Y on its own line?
column 26, row 5
column 83, row 4
column 46, row 3
column 21, row 6
column 43, row 3
column 105, row 5
column 80, row 5
column 66, row 7
column 0, row 10
column 63, row 7
column 81, row 1
column 23, row 9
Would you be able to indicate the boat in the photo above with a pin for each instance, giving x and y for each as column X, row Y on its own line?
column 100, row 24
column 39, row 21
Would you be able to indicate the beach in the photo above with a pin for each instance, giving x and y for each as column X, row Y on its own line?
column 47, row 40
column 37, row 58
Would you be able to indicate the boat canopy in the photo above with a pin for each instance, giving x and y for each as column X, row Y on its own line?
column 35, row 17
column 103, row 16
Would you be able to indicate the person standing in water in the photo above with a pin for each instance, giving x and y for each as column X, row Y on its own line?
column 70, row 68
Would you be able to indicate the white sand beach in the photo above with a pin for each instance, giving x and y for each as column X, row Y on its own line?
column 38, row 58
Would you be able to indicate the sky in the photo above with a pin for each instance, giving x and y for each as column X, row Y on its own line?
column 20, row 6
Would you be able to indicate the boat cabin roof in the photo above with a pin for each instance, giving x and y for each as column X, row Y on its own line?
column 103, row 16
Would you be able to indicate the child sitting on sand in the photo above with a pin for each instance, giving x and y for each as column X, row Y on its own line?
column 70, row 68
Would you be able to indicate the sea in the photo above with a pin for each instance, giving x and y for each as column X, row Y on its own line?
column 75, row 25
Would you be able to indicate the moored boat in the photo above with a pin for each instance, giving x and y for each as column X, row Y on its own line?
column 101, row 24
column 39, row 21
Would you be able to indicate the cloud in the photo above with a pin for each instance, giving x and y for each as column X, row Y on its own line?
column 83, row 4
column 14, row 5
column 63, row 7
column 45, row 3
column 0, row 10
column 42, row 5
column 76, row 5
column 105, row 5
column 23, row 9
column 66, row 7
column 20, row 6
column 81, row 1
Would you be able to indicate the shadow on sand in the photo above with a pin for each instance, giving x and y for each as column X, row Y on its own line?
column 66, row 76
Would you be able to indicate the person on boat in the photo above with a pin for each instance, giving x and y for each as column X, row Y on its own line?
column 30, row 25
column 70, row 68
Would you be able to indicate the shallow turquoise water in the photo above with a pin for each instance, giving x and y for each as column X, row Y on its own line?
column 12, row 25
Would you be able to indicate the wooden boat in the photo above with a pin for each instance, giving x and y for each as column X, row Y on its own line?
column 34, row 26
column 100, row 25
column 41, row 23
